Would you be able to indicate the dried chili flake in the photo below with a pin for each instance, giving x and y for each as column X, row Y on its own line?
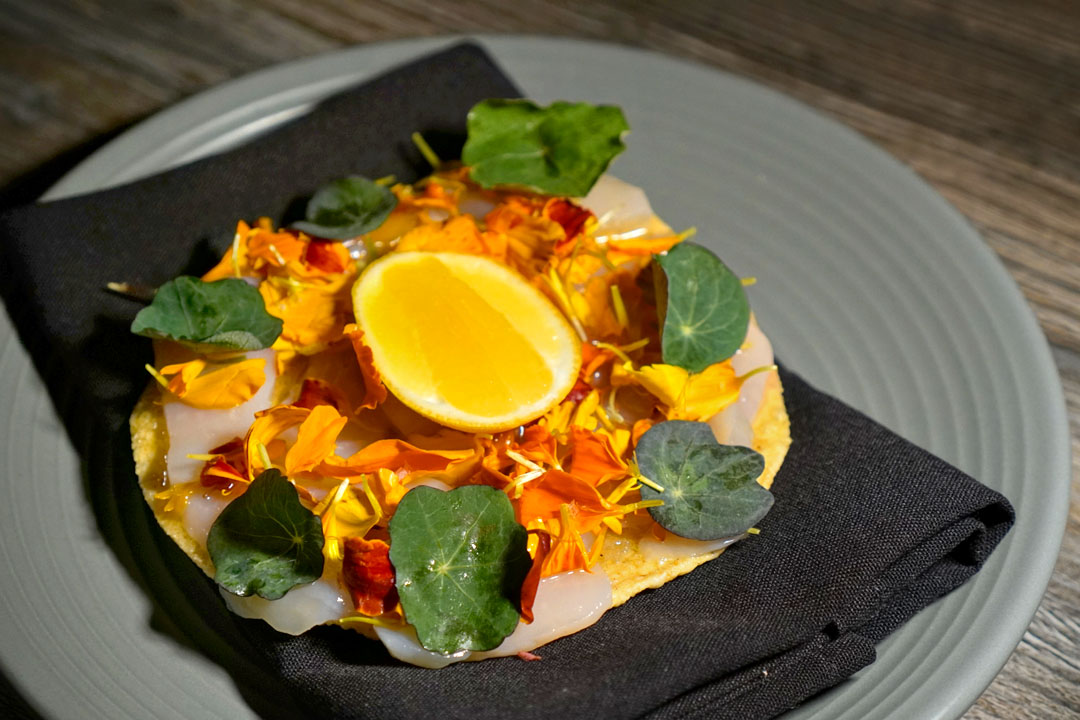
column 369, row 576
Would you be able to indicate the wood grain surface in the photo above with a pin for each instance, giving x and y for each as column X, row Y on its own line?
column 982, row 98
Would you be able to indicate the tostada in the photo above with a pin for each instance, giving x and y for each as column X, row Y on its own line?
column 464, row 416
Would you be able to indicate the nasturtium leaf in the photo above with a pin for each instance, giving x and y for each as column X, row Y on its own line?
column 706, row 313
column 710, row 490
column 460, row 559
column 226, row 314
column 265, row 542
column 560, row 150
column 347, row 208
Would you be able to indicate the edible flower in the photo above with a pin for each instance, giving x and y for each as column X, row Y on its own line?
column 315, row 440
column 344, row 515
column 685, row 395
column 225, row 386
column 374, row 390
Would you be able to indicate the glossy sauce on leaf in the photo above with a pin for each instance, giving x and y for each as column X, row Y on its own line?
column 710, row 490
column 226, row 314
column 460, row 559
column 560, row 150
column 347, row 208
column 265, row 542
column 706, row 314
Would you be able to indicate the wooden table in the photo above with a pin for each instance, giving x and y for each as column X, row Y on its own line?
column 982, row 98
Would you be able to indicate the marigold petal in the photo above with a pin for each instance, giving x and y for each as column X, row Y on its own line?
column 458, row 234
column 267, row 426
column 568, row 552
column 538, row 445
column 666, row 383
column 312, row 317
column 228, row 468
column 327, row 257
column 532, row 579
column 225, row 386
column 374, row 390
column 234, row 262
column 644, row 246
column 350, row 516
column 315, row 392
column 554, row 489
column 264, row 246
column 709, row 391
column 394, row 455
column 315, row 439
column 594, row 460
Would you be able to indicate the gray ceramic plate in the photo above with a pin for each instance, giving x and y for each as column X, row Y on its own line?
column 870, row 285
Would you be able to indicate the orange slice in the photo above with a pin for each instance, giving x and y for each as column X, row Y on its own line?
column 464, row 340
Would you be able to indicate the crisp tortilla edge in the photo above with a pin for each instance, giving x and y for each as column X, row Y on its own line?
column 632, row 571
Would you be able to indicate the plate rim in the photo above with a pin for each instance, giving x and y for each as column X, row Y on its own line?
column 247, row 92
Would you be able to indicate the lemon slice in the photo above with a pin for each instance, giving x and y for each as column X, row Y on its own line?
column 464, row 340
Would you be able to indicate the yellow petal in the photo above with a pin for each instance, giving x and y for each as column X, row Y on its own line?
column 226, row 386
column 709, row 391
column 267, row 426
column 665, row 382
column 686, row 396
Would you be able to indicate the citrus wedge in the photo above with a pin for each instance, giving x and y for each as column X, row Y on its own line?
column 464, row 340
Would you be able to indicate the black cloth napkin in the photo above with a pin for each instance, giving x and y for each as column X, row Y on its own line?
column 867, row 529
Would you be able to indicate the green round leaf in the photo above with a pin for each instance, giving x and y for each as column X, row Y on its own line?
column 225, row 314
column 459, row 559
column 347, row 208
column 265, row 542
column 706, row 314
column 560, row 150
column 710, row 490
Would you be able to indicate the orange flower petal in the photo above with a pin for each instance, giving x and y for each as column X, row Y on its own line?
column 594, row 460
column 234, row 263
column 339, row 376
column 267, row 426
column 458, row 234
column 374, row 390
column 554, row 489
column 645, row 246
column 328, row 257
column 274, row 248
column 227, row 469
column 315, row 440
column 311, row 317
column 538, row 445
column 568, row 552
column 394, row 455
column 532, row 579
column 640, row 428
column 315, row 392
column 223, row 387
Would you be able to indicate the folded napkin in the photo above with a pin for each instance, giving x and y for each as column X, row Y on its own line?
column 866, row 530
